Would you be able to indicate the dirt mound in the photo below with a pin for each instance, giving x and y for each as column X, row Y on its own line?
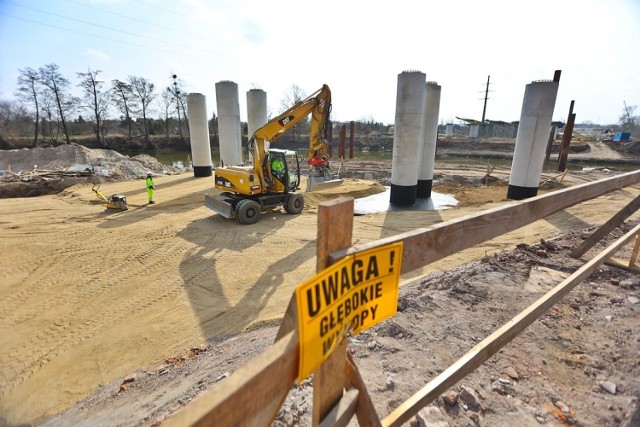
column 37, row 171
column 355, row 188
column 112, row 163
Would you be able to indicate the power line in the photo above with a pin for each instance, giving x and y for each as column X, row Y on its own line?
column 172, row 12
column 137, row 19
column 109, row 39
column 113, row 29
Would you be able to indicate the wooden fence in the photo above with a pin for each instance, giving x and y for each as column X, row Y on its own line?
column 254, row 393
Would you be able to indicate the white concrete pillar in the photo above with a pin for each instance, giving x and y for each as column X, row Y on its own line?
column 431, row 114
column 199, row 135
column 256, row 110
column 449, row 131
column 474, row 130
column 256, row 113
column 408, row 137
column 227, row 101
column 531, row 140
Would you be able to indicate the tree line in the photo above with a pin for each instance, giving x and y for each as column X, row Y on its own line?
column 47, row 112
column 46, row 105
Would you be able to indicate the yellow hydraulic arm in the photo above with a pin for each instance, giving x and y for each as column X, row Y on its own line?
column 318, row 105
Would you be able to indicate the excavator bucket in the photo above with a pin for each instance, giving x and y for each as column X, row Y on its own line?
column 319, row 180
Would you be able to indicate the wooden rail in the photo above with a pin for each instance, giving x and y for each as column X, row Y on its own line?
column 254, row 393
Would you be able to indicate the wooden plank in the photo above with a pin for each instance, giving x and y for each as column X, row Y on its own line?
column 620, row 263
column 251, row 396
column 494, row 342
column 335, row 229
column 289, row 321
column 365, row 411
column 426, row 245
column 634, row 253
column 342, row 413
column 606, row 228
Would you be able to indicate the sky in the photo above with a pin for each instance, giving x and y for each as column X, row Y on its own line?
column 356, row 47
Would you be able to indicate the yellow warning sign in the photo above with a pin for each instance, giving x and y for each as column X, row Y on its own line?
column 351, row 295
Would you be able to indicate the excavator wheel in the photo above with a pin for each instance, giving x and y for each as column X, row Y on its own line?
column 248, row 211
column 295, row 203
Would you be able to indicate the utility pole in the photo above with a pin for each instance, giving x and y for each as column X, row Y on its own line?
column 486, row 96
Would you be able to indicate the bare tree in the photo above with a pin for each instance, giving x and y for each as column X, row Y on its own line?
column 96, row 101
column 121, row 94
column 628, row 121
column 58, row 87
column 28, row 94
column 180, row 97
column 15, row 120
column 142, row 90
column 49, row 117
column 167, row 102
column 292, row 96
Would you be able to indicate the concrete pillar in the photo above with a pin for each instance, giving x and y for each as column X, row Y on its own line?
column 474, row 130
column 256, row 113
column 531, row 140
column 199, row 135
column 449, row 131
column 431, row 114
column 256, row 110
column 408, row 137
column 227, row 101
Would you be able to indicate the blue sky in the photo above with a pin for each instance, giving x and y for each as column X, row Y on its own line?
column 356, row 47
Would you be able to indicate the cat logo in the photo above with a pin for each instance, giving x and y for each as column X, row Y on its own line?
column 283, row 121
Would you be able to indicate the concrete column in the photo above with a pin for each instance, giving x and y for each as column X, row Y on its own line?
column 256, row 113
column 449, row 131
column 227, row 101
column 256, row 110
column 431, row 114
column 199, row 135
column 531, row 140
column 408, row 137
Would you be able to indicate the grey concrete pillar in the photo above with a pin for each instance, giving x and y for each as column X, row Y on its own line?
column 256, row 110
column 199, row 135
column 431, row 114
column 531, row 140
column 227, row 101
column 449, row 131
column 408, row 137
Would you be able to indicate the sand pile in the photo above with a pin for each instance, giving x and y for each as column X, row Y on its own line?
column 108, row 162
column 38, row 171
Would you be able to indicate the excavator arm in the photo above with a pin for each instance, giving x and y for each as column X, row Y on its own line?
column 318, row 105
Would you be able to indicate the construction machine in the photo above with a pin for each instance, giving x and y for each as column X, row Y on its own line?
column 115, row 201
column 248, row 190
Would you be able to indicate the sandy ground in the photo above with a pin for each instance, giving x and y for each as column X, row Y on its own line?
column 90, row 295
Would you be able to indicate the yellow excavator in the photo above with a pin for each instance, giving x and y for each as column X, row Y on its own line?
column 274, row 177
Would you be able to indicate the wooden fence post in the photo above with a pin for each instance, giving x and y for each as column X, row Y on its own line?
column 335, row 229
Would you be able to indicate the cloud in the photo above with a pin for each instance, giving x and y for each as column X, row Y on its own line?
column 97, row 54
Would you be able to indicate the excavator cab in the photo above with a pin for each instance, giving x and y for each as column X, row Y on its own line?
column 287, row 178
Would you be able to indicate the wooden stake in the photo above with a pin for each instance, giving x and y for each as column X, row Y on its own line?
column 335, row 228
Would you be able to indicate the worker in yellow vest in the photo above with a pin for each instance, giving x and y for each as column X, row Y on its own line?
column 150, row 187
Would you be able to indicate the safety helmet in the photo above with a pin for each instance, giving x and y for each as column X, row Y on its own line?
column 148, row 174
